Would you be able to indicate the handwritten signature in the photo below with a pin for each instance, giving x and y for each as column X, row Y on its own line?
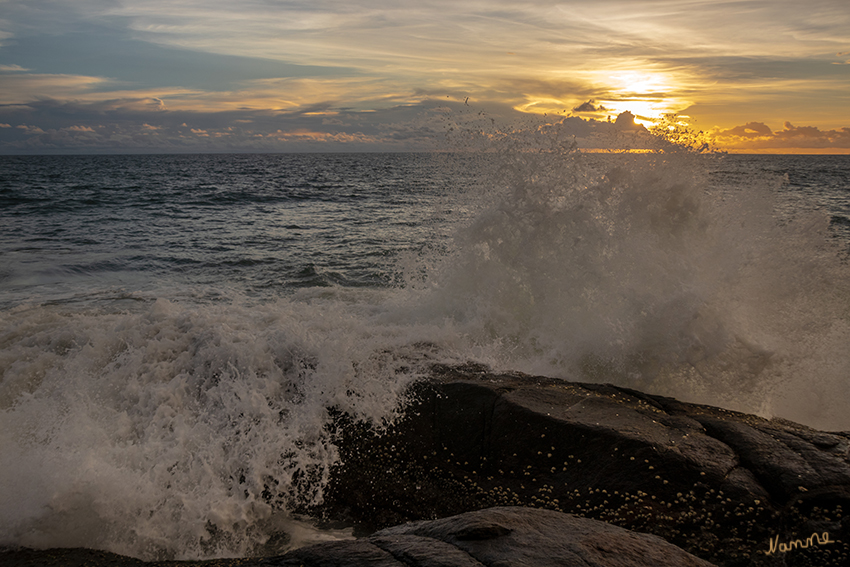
column 814, row 539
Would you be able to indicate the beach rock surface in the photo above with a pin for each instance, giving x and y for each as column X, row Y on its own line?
column 497, row 537
column 723, row 485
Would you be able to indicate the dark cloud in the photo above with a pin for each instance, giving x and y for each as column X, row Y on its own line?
column 749, row 130
column 589, row 107
column 144, row 125
column 823, row 138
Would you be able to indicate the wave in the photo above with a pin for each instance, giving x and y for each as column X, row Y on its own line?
column 637, row 269
column 170, row 425
column 182, row 431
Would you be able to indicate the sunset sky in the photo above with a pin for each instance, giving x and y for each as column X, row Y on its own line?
column 92, row 76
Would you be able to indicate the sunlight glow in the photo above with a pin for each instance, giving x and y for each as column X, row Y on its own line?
column 647, row 95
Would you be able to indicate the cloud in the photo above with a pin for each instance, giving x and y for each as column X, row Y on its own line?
column 589, row 107
column 105, row 52
column 510, row 36
column 23, row 87
column 749, row 130
column 328, row 71
column 815, row 137
column 79, row 129
column 30, row 130
column 756, row 136
column 48, row 126
column 626, row 121
column 310, row 137
column 143, row 125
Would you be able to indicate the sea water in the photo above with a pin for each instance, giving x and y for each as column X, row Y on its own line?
column 175, row 328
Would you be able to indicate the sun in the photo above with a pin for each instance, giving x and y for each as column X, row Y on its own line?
column 649, row 95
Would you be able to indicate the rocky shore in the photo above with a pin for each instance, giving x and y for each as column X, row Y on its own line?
column 725, row 486
column 504, row 469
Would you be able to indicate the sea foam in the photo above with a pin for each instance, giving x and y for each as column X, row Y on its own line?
column 181, row 431
column 646, row 270
column 160, row 426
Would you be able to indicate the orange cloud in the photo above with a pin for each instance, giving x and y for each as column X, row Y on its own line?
column 30, row 129
column 758, row 137
column 78, row 129
column 311, row 136
column 749, row 130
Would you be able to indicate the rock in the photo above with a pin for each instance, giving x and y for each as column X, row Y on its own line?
column 487, row 538
column 65, row 558
column 353, row 553
column 528, row 536
column 473, row 447
column 497, row 537
column 717, row 483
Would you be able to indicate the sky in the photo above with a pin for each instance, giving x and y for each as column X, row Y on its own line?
column 119, row 76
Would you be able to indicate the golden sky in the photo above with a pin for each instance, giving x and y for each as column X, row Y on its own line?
column 266, row 75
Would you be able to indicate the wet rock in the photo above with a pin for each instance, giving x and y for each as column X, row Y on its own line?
column 473, row 447
column 528, row 536
column 717, row 483
column 353, row 553
column 497, row 537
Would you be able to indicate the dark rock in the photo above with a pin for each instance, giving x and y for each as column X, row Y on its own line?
column 419, row 551
column 497, row 537
column 80, row 557
column 494, row 537
column 351, row 553
column 64, row 558
column 719, row 484
column 542, row 538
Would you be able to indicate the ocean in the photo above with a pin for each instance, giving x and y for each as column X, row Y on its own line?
column 175, row 328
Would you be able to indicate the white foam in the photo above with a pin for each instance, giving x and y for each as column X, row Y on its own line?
column 181, row 431
column 191, row 428
column 632, row 269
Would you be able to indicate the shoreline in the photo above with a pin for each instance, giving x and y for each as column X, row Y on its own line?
column 724, row 486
